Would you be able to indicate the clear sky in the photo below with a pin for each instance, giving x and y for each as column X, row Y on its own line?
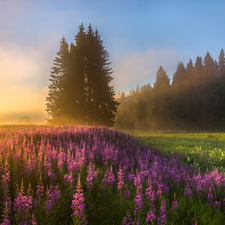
column 140, row 35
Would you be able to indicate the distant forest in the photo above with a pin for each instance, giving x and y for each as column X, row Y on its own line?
column 195, row 99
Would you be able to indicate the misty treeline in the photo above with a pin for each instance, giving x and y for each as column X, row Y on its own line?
column 80, row 91
column 195, row 99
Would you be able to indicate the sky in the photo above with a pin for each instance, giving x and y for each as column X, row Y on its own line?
column 140, row 35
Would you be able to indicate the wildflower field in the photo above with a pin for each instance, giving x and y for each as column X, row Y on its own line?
column 96, row 175
column 202, row 150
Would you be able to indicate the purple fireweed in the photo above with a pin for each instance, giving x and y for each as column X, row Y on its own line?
column 137, row 182
column 160, row 189
column 138, row 202
column 150, row 195
column 91, row 175
column 131, row 175
column 39, row 192
column 6, row 222
column 7, row 209
column 163, row 213
column 69, row 178
column 53, row 196
column 22, row 205
column 174, row 203
column 127, row 220
column 7, row 212
column 109, row 178
column 60, row 163
column 120, row 184
column 126, row 193
column 95, row 144
column 29, row 167
column 188, row 191
column 78, row 205
column 33, row 220
column 151, row 216
column 210, row 199
column 217, row 205
column 51, row 175
column 5, row 179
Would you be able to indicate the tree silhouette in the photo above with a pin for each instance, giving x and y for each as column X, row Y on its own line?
column 194, row 100
column 83, row 93
column 56, row 95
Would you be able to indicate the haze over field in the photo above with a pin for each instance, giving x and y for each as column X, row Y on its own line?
column 139, row 36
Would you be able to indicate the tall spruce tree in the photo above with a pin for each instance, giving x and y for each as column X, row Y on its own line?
column 180, row 106
column 209, row 82
column 179, row 78
column 219, row 92
column 161, row 91
column 87, row 95
column 75, row 107
column 56, row 96
column 102, row 105
column 221, row 65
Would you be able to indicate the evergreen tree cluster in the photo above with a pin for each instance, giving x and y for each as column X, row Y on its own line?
column 80, row 91
column 195, row 99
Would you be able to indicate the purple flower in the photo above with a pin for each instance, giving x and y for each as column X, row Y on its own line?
column 160, row 189
column 217, row 205
column 210, row 199
column 127, row 220
column 151, row 216
column 69, row 178
column 53, row 196
column 5, row 179
column 109, row 178
column 7, row 211
column 91, row 175
column 150, row 195
column 126, row 193
column 6, row 222
column 138, row 202
column 163, row 213
column 78, row 205
column 188, row 191
column 39, row 193
column 120, row 184
column 137, row 182
column 33, row 220
column 51, row 174
column 174, row 203
column 22, row 205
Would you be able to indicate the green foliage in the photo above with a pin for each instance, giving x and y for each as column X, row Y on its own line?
column 194, row 99
column 201, row 150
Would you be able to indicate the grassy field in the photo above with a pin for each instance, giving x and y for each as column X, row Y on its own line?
column 201, row 150
column 96, row 175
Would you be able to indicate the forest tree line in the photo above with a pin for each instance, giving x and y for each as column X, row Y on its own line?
column 80, row 91
column 195, row 99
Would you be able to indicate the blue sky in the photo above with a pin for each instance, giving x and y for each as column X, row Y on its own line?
column 139, row 35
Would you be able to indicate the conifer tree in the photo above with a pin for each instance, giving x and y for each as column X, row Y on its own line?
column 161, row 89
column 209, row 72
column 221, row 64
column 75, row 80
column 101, row 96
column 56, row 96
column 179, row 78
column 162, row 80
column 81, row 91
column 180, row 103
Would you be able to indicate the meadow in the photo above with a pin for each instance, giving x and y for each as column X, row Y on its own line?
column 202, row 150
column 96, row 175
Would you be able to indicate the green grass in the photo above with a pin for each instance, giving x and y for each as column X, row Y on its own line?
column 201, row 150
